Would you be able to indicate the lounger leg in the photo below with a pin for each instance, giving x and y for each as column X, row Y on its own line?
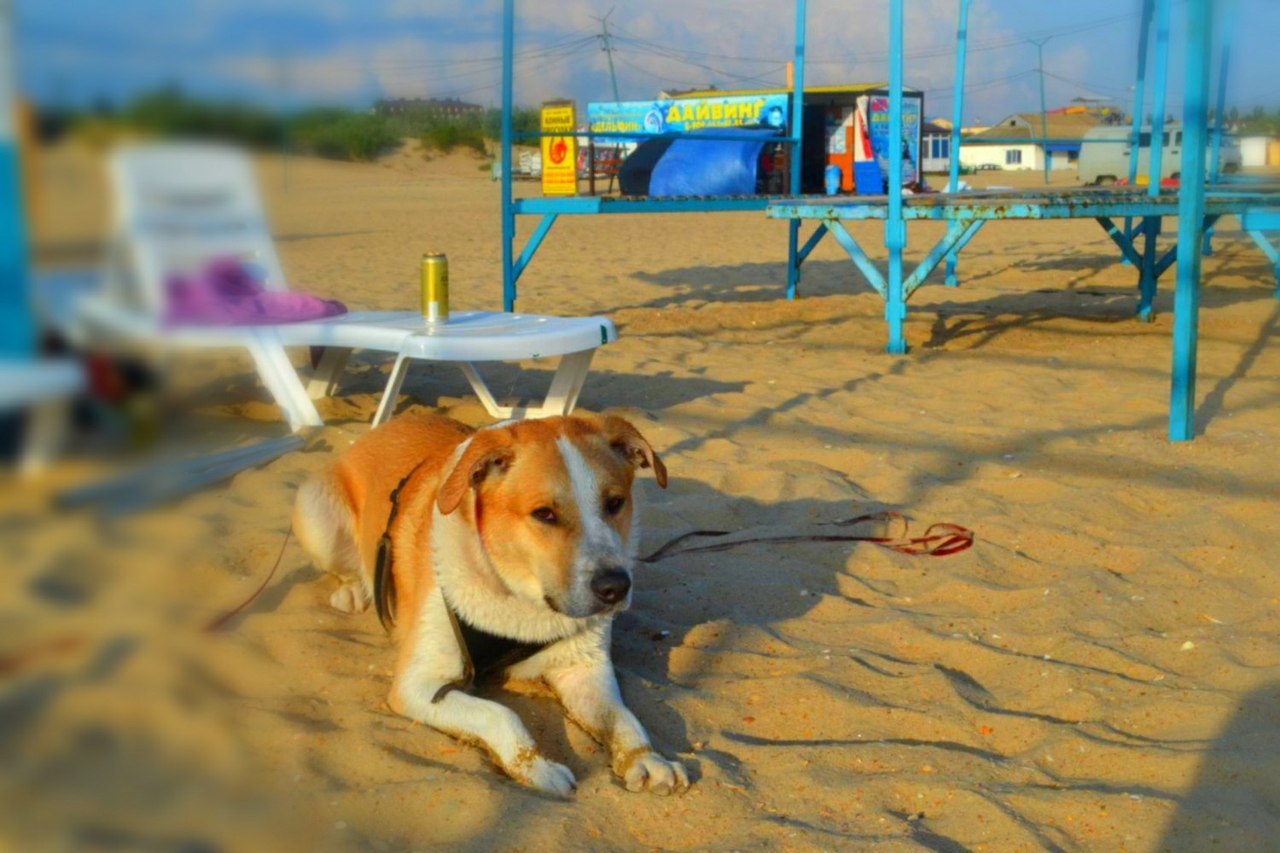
column 282, row 381
column 44, row 436
column 561, row 397
column 394, row 382
column 484, row 394
column 324, row 381
column 567, row 384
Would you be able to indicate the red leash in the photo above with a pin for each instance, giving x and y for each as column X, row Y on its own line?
column 940, row 540
column 217, row 623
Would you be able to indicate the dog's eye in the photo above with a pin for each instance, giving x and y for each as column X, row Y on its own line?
column 545, row 514
column 614, row 505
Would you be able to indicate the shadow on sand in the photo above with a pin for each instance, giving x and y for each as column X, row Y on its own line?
column 1234, row 803
column 761, row 282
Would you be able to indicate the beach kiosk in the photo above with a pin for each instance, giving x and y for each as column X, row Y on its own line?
column 846, row 126
column 843, row 126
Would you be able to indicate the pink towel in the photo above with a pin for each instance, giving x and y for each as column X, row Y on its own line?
column 225, row 293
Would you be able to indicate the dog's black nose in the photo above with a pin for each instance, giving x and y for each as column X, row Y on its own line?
column 611, row 585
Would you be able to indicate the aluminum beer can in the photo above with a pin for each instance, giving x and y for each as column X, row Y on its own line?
column 435, row 287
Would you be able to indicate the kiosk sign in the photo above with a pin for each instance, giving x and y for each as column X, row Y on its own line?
column 647, row 118
column 559, row 152
column 877, row 107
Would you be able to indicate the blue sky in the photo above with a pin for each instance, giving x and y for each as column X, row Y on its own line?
column 290, row 52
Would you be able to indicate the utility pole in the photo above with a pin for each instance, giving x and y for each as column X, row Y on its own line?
column 608, row 50
column 607, row 47
column 1044, row 120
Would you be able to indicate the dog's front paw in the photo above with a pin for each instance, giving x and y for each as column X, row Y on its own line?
column 648, row 771
column 549, row 778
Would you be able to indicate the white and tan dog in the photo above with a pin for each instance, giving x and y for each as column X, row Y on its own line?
column 507, row 549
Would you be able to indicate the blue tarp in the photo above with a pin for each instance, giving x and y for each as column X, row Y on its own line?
column 692, row 167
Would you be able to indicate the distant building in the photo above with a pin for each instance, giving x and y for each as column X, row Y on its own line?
column 434, row 107
column 1258, row 151
column 935, row 146
column 999, row 146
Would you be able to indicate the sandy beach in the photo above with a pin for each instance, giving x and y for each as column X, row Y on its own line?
column 1100, row 671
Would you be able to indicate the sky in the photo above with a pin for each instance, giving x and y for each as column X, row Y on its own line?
column 289, row 53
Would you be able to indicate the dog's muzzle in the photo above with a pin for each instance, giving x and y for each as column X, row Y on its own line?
column 610, row 585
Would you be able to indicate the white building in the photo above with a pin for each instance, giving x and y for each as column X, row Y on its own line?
column 1253, row 151
column 1064, row 129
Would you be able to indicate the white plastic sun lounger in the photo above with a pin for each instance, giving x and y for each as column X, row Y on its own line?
column 474, row 336
column 178, row 205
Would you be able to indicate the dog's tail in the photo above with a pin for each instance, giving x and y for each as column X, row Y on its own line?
column 323, row 523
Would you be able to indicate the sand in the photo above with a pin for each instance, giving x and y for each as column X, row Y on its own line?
column 1101, row 671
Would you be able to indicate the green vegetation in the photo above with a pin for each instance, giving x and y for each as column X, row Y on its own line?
column 1258, row 123
column 340, row 134
column 446, row 136
column 333, row 132
column 472, row 132
column 167, row 112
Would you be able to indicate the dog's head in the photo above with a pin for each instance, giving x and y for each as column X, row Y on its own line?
column 552, row 505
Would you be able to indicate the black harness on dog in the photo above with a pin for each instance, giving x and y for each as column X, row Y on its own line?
column 482, row 652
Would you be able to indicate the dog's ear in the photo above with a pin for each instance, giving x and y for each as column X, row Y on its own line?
column 488, row 454
column 634, row 447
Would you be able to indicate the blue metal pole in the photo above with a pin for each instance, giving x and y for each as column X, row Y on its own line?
column 1139, row 92
column 1044, row 121
column 1151, row 224
column 508, row 211
column 797, row 150
column 1186, row 301
column 895, row 228
column 17, row 332
column 957, row 120
column 1164, row 11
column 1228, row 22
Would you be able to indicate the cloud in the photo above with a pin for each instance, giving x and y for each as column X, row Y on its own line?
column 340, row 75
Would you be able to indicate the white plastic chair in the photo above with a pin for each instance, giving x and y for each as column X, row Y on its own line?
column 180, row 204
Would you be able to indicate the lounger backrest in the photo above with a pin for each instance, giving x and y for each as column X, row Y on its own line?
column 179, row 205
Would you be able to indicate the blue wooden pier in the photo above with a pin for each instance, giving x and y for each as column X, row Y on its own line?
column 1133, row 217
column 966, row 213
column 1196, row 204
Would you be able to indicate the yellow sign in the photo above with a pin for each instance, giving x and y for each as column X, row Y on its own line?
column 559, row 153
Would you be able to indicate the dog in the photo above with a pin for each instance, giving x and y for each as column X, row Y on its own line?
column 504, row 550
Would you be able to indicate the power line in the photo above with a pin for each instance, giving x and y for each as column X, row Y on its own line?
column 727, row 75
column 1112, row 90
column 523, row 75
column 654, row 75
column 929, row 52
column 685, row 82
column 985, row 84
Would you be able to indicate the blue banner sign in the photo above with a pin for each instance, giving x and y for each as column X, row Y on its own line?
column 878, row 131
column 646, row 118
